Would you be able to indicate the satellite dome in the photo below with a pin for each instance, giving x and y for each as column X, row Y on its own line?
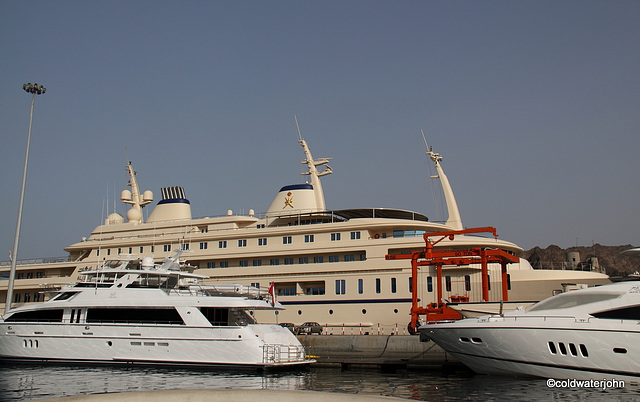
column 147, row 262
column 147, row 196
column 125, row 195
column 114, row 219
column 133, row 215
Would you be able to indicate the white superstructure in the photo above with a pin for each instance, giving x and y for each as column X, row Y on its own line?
column 328, row 265
column 586, row 334
column 135, row 312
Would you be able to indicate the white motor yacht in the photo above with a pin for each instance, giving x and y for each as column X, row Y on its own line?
column 591, row 333
column 136, row 312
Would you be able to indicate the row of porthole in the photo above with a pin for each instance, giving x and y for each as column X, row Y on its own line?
column 574, row 351
column 136, row 343
column 563, row 349
column 470, row 340
column 364, row 311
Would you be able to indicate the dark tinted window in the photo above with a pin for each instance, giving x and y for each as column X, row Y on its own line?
column 134, row 315
column 627, row 313
column 37, row 316
column 65, row 296
column 216, row 316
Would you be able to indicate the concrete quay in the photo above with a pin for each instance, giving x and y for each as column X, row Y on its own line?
column 384, row 352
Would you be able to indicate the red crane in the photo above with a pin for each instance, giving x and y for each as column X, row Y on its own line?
column 428, row 256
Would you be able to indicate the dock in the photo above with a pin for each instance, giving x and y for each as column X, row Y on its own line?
column 383, row 352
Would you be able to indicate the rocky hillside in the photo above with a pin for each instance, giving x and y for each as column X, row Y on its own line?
column 610, row 258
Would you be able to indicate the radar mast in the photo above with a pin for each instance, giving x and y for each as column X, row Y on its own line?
column 313, row 172
column 453, row 220
column 134, row 198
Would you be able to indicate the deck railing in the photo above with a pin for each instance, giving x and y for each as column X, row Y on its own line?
column 33, row 261
column 282, row 353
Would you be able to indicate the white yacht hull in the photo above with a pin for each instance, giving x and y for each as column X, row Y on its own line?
column 252, row 345
column 593, row 349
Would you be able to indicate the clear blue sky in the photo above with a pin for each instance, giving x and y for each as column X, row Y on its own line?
column 535, row 106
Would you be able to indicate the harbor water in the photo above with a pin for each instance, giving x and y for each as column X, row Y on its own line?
column 19, row 382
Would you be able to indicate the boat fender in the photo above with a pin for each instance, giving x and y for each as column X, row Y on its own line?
column 376, row 236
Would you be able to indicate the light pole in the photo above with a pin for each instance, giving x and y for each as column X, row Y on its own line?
column 33, row 89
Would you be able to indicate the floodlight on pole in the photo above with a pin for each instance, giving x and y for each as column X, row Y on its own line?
column 33, row 89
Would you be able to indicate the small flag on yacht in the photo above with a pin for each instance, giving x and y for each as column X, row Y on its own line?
column 10, row 257
column 273, row 294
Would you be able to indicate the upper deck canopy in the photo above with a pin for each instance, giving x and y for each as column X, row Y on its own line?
column 380, row 213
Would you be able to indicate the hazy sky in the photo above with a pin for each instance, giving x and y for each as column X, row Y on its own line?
column 535, row 106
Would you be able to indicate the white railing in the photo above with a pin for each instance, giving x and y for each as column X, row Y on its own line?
column 33, row 261
column 282, row 353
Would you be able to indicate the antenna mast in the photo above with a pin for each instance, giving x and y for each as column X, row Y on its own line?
column 454, row 220
column 313, row 172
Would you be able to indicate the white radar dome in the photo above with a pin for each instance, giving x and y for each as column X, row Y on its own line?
column 125, row 195
column 147, row 262
column 147, row 196
column 133, row 215
column 114, row 219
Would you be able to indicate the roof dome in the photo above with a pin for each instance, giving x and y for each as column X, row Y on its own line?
column 114, row 219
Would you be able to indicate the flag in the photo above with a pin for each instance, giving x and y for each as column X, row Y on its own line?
column 273, row 294
column 10, row 257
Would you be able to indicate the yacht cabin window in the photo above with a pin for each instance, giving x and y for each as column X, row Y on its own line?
column 626, row 313
column 50, row 315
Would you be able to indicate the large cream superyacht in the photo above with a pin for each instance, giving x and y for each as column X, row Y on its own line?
column 327, row 266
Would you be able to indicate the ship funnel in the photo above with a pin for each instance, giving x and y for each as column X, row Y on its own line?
column 173, row 206
column 297, row 197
